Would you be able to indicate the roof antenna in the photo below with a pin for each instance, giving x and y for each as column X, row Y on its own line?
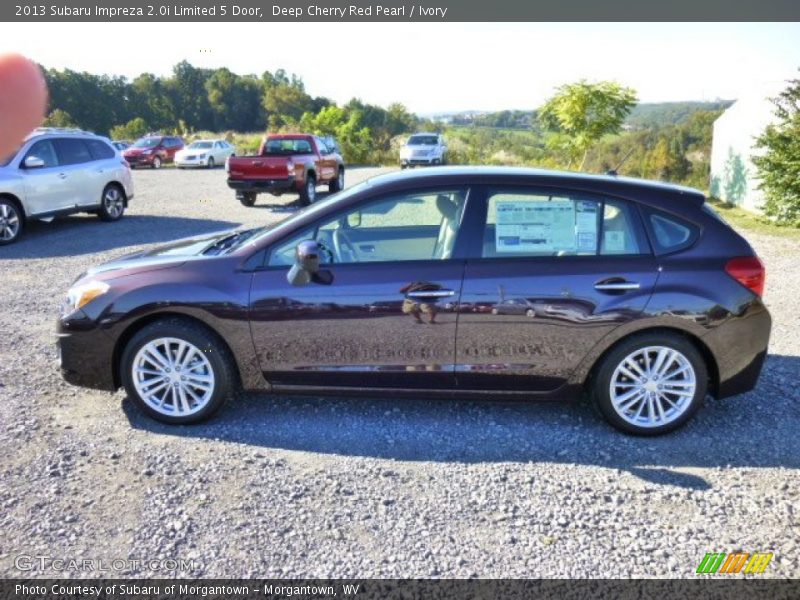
column 614, row 172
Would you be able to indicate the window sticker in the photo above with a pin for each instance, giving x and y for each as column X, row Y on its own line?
column 586, row 227
column 614, row 241
column 541, row 227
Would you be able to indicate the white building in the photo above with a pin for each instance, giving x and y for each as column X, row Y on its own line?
column 733, row 174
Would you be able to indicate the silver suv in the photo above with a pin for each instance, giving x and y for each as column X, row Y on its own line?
column 59, row 172
column 423, row 149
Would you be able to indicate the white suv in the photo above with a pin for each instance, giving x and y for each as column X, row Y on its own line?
column 423, row 149
column 58, row 172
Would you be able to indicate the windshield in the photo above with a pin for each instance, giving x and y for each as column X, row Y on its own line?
column 422, row 140
column 283, row 147
column 199, row 145
column 287, row 224
column 147, row 143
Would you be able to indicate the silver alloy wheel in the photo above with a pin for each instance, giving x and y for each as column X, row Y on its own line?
column 341, row 179
column 173, row 377
column 210, row 163
column 652, row 386
column 9, row 221
column 311, row 190
column 156, row 163
column 113, row 202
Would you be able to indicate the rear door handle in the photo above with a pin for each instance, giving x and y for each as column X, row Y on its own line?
column 431, row 294
column 616, row 286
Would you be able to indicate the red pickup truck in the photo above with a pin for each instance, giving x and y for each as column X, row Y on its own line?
column 286, row 163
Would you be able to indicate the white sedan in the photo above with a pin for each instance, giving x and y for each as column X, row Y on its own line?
column 204, row 153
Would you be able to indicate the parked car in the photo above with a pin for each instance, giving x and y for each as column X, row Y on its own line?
column 121, row 145
column 287, row 163
column 153, row 150
column 515, row 306
column 204, row 153
column 60, row 172
column 423, row 149
column 182, row 326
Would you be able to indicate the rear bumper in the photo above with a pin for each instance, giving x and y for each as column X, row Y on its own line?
column 262, row 185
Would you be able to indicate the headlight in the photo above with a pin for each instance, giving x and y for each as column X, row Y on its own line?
column 80, row 295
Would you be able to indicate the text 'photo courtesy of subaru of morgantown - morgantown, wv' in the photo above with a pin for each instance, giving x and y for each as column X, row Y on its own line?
column 58, row 172
column 490, row 282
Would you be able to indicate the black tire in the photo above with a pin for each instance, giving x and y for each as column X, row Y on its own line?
column 337, row 184
column 112, row 203
column 156, row 162
column 12, row 221
column 248, row 200
column 601, row 382
column 222, row 364
column 403, row 167
column 309, row 191
column 210, row 163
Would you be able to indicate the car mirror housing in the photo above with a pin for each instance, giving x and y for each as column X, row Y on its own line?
column 33, row 162
column 306, row 263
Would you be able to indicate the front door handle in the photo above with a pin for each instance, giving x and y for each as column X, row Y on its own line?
column 431, row 294
column 616, row 286
column 62, row 175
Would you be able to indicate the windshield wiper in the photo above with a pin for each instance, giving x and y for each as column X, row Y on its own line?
column 229, row 241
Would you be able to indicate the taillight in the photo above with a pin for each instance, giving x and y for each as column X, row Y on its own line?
column 749, row 271
column 125, row 163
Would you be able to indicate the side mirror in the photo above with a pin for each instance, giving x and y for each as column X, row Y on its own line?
column 306, row 263
column 33, row 162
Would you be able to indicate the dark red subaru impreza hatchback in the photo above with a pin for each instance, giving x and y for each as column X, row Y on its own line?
column 491, row 282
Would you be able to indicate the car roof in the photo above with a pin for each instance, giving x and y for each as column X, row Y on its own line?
column 538, row 176
column 62, row 131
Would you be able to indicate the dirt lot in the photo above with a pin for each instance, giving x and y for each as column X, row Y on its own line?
column 300, row 487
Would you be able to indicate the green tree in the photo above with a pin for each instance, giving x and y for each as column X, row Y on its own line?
column 59, row 118
column 581, row 113
column 779, row 165
column 133, row 129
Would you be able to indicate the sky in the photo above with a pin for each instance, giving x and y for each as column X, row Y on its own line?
column 438, row 67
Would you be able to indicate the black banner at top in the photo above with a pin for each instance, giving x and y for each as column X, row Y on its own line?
column 397, row 10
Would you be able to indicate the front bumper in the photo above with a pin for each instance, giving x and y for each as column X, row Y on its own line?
column 191, row 162
column 86, row 353
column 420, row 161
column 140, row 160
column 272, row 186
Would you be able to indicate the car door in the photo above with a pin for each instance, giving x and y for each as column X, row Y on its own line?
column 580, row 263
column 48, row 187
column 327, row 161
column 385, row 313
column 75, row 160
column 99, row 171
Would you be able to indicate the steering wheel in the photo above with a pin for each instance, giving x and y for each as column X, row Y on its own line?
column 342, row 245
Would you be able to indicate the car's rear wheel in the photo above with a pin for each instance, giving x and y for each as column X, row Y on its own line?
column 11, row 221
column 651, row 383
column 157, row 162
column 248, row 199
column 112, row 204
column 177, row 371
column 530, row 313
column 309, row 191
column 211, row 163
column 337, row 185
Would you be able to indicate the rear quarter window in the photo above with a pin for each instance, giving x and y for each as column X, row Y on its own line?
column 670, row 233
column 99, row 149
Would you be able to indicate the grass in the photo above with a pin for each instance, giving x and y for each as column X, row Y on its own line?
column 739, row 217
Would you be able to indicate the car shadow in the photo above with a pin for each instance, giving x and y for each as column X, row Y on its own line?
column 291, row 206
column 753, row 430
column 84, row 234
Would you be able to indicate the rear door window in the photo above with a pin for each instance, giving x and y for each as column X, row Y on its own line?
column 533, row 223
column 72, row 151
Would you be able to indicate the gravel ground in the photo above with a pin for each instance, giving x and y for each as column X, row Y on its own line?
column 303, row 487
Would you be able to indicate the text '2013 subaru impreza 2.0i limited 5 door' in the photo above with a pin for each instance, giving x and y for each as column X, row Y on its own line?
column 633, row 292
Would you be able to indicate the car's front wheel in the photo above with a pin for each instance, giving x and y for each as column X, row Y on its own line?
column 211, row 163
column 112, row 204
column 177, row 371
column 651, row 383
column 11, row 221
column 157, row 162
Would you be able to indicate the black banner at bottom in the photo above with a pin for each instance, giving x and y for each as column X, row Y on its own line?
column 711, row 587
